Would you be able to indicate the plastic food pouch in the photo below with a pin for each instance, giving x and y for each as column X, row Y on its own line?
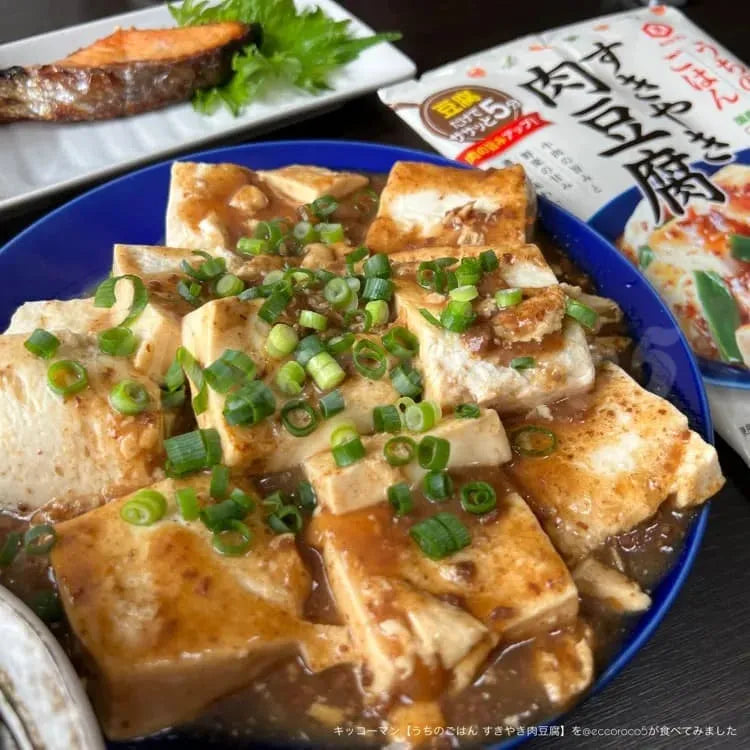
column 639, row 123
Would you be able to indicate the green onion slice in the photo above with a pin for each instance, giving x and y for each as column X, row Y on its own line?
column 105, row 296
column 332, row 403
column 464, row 293
column 129, row 397
column 39, row 540
column 488, row 260
column 330, row 233
column 437, row 486
column 312, row 319
column 365, row 201
column 144, row 508
column 469, row 272
column 406, row 380
column 219, row 488
column 378, row 311
column 508, row 297
column 399, row 450
column 429, row 317
column 241, row 498
column 232, row 539
column 118, row 341
column 401, row 342
column 304, row 232
column 229, row 285
column 478, row 498
column 280, row 297
column 187, row 502
column 440, row 536
column 340, row 344
column 67, row 377
column 338, row 292
column 215, row 516
column 308, row 348
column 192, row 451
column 580, row 312
column 42, row 343
column 378, row 265
column 286, row 520
column 355, row 256
column 348, row 453
column 532, row 440
column 433, row 453
column 305, row 495
column 378, row 289
column 232, row 368
column 399, row 496
column 422, row 416
column 299, row 417
column 457, row 316
column 10, row 547
column 195, row 373
column 250, row 404
column 324, row 206
column 325, row 371
column 290, row 378
column 282, row 340
column 522, row 363
column 386, row 419
column 369, row 359
column 252, row 246
column 467, row 411
column 190, row 291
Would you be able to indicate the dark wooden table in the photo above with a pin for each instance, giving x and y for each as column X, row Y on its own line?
column 695, row 671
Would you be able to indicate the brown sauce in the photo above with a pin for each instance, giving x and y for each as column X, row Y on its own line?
column 288, row 702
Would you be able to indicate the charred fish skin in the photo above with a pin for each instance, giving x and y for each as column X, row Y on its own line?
column 61, row 92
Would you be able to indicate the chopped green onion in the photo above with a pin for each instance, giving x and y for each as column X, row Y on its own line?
column 219, row 488
column 210, row 269
column 195, row 373
column 301, row 278
column 192, row 451
column 354, row 283
column 324, row 206
column 457, row 316
column 401, row 343
column 105, row 296
column 282, row 341
column 272, row 232
column 144, row 508
column 252, row 403
column 338, row 292
column 305, row 495
column 478, row 498
column 508, row 297
column 386, row 419
column 304, row 232
column 433, row 453
column 489, row 261
column 253, row 246
column 291, row 378
column 431, row 276
column 739, row 246
column 522, row 363
column 215, row 516
column 325, row 371
column 173, row 399
column 378, row 311
column 429, row 317
column 46, row 606
column 67, row 377
column 376, row 288
column 645, row 256
column 129, row 397
column 232, row 368
column 286, row 520
column 440, row 536
column 299, row 418
column 187, row 502
column 340, row 344
column 274, row 501
column 10, row 547
column 229, row 285
column 190, row 291
column 118, row 341
column 369, row 359
column 330, row 233
column 308, row 347
column 312, row 319
column 355, row 256
column 272, row 278
column 330, row 404
column 469, row 272
column 422, row 416
column 464, row 293
column 377, row 265
column 437, row 486
column 241, row 498
column 280, row 297
column 406, row 380
column 399, row 496
column 580, row 312
column 175, row 376
column 343, row 432
column 365, row 201
column 39, row 540
column 348, row 453
column 42, row 343
column 222, row 539
column 531, row 440
column 399, row 450
column 467, row 411
column 357, row 320
column 721, row 313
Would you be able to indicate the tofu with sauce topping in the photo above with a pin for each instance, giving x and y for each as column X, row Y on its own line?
column 70, row 455
column 425, row 204
column 169, row 623
column 267, row 447
column 620, row 453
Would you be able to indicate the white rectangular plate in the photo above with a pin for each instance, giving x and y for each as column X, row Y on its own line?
column 38, row 158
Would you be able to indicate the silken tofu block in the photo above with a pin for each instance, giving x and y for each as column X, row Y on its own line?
column 621, row 452
column 420, row 625
column 424, row 204
column 267, row 447
column 77, row 315
column 474, row 442
column 302, row 183
column 476, row 367
column 73, row 453
column 170, row 624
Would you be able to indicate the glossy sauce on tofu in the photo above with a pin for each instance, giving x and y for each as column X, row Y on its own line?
column 288, row 701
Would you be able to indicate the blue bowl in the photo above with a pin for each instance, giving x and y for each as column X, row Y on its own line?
column 65, row 253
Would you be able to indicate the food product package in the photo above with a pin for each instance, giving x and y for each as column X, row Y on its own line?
column 639, row 123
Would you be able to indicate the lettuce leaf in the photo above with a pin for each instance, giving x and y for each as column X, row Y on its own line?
column 298, row 48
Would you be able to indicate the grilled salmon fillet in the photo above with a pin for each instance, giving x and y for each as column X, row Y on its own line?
column 130, row 71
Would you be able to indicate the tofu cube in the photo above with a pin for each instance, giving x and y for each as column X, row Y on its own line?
column 301, row 184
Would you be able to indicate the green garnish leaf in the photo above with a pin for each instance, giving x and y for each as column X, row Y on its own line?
column 298, row 48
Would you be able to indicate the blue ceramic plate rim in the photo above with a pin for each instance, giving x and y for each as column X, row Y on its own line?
column 16, row 256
